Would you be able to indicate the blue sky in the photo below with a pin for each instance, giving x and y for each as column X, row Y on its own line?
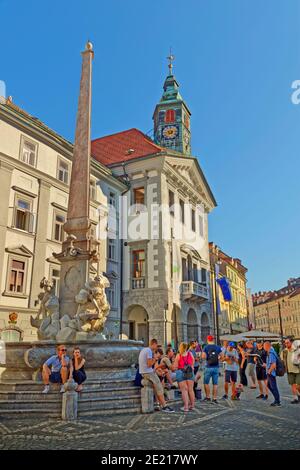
column 235, row 62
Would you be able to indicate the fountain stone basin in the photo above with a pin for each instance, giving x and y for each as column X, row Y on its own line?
column 105, row 359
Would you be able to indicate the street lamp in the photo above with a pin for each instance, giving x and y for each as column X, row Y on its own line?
column 280, row 319
column 216, row 273
column 268, row 317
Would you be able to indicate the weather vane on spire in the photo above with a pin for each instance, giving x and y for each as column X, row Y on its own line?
column 170, row 58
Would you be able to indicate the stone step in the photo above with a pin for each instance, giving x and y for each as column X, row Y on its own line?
column 21, row 395
column 29, row 413
column 110, row 411
column 89, row 384
column 109, row 392
column 42, row 405
column 109, row 403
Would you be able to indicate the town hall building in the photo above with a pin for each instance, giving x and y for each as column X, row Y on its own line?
column 163, row 232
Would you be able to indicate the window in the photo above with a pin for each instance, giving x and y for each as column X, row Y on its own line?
column 203, row 276
column 138, row 263
column 16, row 278
column 58, row 233
column 139, row 196
column 63, row 171
column 23, row 217
column 181, row 203
column 195, row 273
column 171, row 202
column 178, row 114
column 28, row 151
column 170, row 115
column 93, row 190
column 186, row 121
column 161, row 116
column 201, row 226
column 112, row 294
column 131, row 329
column 193, row 218
column 112, row 249
column 112, row 199
column 55, row 277
column 184, row 270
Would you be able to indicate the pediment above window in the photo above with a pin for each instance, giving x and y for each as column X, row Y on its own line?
column 19, row 250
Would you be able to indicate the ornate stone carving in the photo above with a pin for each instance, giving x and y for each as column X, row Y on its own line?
column 92, row 303
column 47, row 319
column 90, row 317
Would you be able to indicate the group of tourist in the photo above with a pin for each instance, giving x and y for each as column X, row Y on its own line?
column 257, row 361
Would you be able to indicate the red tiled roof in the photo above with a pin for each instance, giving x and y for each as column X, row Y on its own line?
column 123, row 146
column 296, row 292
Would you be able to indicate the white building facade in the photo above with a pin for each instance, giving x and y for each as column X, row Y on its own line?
column 35, row 169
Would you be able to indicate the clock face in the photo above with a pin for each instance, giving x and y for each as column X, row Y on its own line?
column 170, row 132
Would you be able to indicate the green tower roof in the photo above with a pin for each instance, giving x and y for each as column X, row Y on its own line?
column 171, row 90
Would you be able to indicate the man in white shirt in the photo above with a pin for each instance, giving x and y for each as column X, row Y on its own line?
column 146, row 363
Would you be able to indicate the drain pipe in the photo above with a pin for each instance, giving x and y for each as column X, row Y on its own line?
column 121, row 245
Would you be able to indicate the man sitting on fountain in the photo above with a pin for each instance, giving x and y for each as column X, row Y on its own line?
column 147, row 362
column 56, row 369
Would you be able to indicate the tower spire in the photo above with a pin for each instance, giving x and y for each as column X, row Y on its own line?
column 172, row 116
column 170, row 58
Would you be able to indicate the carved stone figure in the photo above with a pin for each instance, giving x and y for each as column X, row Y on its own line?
column 90, row 317
column 47, row 320
column 93, row 306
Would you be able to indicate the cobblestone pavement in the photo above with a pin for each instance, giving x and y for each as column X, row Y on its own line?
column 248, row 424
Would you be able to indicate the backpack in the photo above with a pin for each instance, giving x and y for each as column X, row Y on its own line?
column 280, row 367
column 187, row 371
column 296, row 353
column 212, row 357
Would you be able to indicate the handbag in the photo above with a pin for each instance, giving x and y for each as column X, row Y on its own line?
column 187, row 371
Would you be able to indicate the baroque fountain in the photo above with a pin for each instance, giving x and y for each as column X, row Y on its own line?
column 77, row 316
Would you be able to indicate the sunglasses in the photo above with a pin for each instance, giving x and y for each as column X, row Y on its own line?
column 62, row 350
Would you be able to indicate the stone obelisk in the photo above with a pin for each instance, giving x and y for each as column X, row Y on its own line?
column 76, row 250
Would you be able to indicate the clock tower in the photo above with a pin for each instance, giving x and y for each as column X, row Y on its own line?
column 172, row 117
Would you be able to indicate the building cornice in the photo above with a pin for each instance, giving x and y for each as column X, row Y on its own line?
column 58, row 143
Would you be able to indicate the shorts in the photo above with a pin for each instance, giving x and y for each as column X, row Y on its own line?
column 211, row 373
column 179, row 376
column 173, row 376
column 261, row 373
column 230, row 376
column 293, row 378
column 55, row 378
column 153, row 378
column 251, row 370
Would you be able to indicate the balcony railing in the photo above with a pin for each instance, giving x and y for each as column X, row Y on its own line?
column 194, row 291
column 138, row 283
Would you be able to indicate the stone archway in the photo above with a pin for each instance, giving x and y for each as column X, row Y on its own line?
column 192, row 325
column 205, row 328
column 138, row 323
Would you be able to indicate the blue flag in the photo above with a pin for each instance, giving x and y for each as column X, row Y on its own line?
column 224, row 284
